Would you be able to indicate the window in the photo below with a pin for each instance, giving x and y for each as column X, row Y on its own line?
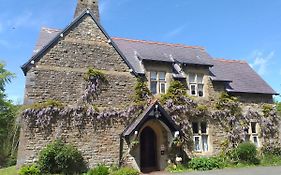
column 200, row 136
column 196, row 84
column 158, row 82
column 252, row 133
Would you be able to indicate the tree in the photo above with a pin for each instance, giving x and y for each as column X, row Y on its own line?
column 7, row 118
column 278, row 105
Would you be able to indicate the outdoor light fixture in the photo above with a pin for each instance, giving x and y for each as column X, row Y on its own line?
column 157, row 113
column 136, row 132
column 177, row 133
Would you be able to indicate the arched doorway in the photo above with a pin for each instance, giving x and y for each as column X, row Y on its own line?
column 148, row 150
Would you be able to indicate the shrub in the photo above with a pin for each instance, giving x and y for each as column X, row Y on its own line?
column 204, row 163
column 172, row 168
column 271, row 150
column 99, row 170
column 126, row 171
column 29, row 170
column 247, row 152
column 58, row 158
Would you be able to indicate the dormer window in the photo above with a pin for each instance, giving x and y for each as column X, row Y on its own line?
column 158, row 82
column 196, row 84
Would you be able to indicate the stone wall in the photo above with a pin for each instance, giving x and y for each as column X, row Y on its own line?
column 98, row 144
column 59, row 73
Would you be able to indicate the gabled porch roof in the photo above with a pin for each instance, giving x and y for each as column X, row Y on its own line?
column 147, row 115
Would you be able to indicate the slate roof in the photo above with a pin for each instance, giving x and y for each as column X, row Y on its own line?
column 138, row 50
column 46, row 35
column 238, row 75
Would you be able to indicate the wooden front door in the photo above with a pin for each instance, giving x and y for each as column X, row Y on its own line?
column 148, row 143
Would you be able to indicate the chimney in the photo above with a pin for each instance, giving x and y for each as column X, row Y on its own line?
column 92, row 5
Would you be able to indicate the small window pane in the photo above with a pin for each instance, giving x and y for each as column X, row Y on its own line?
column 246, row 130
column 204, row 128
column 193, row 89
column 153, row 87
column 162, row 88
column 205, row 143
column 200, row 90
column 195, row 128
column 192, row 78
column 254, row 127
column 153, row 75
column 255, row 139
column 162, row 76
column 247, row 138
column 200, row 78
column 196, row 143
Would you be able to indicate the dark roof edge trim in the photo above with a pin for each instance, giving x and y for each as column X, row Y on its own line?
column 128, row 131
column 36, row 57
column 268, row 93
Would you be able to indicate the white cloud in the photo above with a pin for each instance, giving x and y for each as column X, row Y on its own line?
column 175, row 32
column 261, row 61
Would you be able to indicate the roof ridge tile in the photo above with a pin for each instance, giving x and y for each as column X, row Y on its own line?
column 231, row 61
column 51, row 29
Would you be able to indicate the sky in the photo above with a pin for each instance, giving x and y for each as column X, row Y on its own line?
column 247, row 30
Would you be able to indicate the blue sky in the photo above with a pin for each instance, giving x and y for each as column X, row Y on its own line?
column 242, row 29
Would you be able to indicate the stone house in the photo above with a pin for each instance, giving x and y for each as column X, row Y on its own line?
column 61, row 58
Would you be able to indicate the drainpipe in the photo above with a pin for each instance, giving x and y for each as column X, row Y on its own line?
column 121, row 150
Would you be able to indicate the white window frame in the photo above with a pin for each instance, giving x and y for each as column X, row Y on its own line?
column 200, row 136
column 196, row 83
column 159, row 82
column 252, row 135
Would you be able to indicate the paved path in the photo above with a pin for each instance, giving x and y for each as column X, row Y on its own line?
column 236, row 171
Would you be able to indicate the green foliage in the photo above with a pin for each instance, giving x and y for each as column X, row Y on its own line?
column 95, row 74
column 58, row 158
column 278, row 107
column 29, row 170
column 175, row 92
column 271, row 149
column 266, row 109
column 172, row 168
column 99, row 170
column 204, row 163
column 126, row 171
column 271, row 160
column 8, row 128
column 141, row 91
column 227, row 101
column 5, row 77
column 202, row 108
column 45, row 104
column 9, row 171
column 247, row 152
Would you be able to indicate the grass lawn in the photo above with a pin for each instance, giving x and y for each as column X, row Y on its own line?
column 8, row 171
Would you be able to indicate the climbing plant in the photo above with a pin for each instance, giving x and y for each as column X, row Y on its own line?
column 95, row 80
column 142, row 93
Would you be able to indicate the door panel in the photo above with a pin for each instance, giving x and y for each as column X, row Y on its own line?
column 148, row 148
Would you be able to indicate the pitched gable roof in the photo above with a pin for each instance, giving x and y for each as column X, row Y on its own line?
column 240, row 76
column 145, row 116
column 138, row 50
column 57, row 35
